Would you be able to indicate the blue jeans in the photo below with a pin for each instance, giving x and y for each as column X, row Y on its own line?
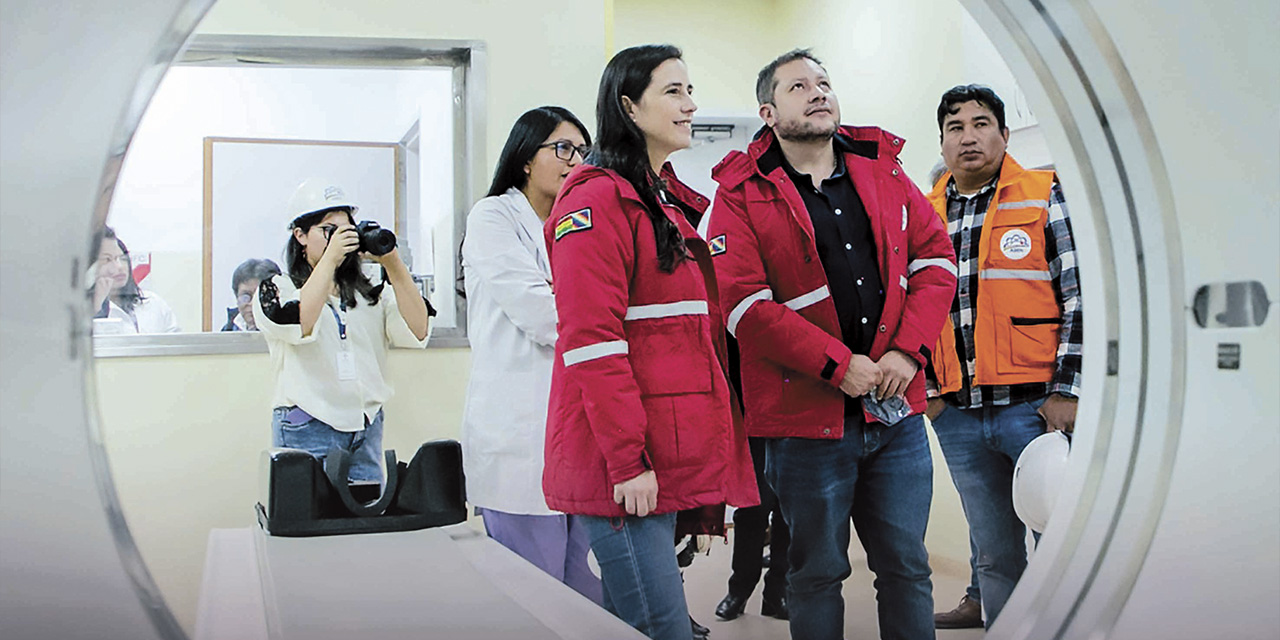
column 642, row 583
column 881, row 478
column 981, row 446
column 316, row 437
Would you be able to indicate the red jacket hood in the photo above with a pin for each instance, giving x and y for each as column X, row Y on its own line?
column 870, row 142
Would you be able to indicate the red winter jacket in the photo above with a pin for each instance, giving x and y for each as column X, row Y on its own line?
column 774, row 291
column 639, row 375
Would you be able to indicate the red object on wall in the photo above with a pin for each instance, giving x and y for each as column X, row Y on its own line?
column 141, row 266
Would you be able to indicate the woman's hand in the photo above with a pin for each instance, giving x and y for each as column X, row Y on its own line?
column 343, row 241
column 101, row 289
column 639, row 495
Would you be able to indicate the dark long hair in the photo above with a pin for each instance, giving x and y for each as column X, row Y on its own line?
column 130, row 294
column 348, row 276
column 620, row 144
column 527, row 135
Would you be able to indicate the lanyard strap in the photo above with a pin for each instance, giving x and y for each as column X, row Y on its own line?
column 342, row 326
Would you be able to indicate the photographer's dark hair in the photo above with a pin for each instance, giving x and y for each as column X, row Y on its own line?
column 348, row 276
column 766, row 83
column 253, row 269
column 960, row 94
column 130, row 294
column 527, row 135
column 620, row 145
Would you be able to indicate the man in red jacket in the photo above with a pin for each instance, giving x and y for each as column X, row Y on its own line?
column 835, row 277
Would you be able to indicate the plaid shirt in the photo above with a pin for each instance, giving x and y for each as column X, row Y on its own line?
column 965, row 216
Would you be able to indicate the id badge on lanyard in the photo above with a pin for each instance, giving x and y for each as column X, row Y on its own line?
column 346, row 359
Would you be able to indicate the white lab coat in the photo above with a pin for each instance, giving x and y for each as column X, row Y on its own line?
column 511, row 323
column 150, row 315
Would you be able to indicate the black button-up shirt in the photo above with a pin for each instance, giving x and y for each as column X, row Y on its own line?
column 847, row 249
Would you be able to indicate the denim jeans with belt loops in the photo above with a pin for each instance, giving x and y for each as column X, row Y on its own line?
column 982, row 446
column 880, row 478
column 296, row 430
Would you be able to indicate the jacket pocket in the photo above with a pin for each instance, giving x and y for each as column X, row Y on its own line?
column 684, row 431
column 671, row 355
column 1017, row 240
column 1033, row 342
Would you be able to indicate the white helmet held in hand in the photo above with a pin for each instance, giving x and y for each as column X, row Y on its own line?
column 1038, row 477
column 315, row 194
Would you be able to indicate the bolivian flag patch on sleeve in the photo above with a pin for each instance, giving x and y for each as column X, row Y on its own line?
column 718, row 245
column 576, row 221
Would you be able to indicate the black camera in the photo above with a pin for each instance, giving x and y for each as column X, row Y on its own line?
column 375, row 240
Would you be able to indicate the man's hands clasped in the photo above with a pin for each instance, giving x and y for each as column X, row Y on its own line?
column 889, row 377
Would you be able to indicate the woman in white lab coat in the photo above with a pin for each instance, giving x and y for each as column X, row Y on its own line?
column 121, row 306
column 511, row 324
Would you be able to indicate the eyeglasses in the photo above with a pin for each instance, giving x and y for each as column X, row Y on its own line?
column 122, row 260
column 565, row 149
column 244, row 298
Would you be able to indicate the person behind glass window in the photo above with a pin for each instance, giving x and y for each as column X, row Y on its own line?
column 244, row 282
column 641, row 423
column 511, row 324
column 117, row 298
column 328, row 329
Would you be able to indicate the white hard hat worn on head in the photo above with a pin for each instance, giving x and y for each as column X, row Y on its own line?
column 316, row 194
column 1038, row 477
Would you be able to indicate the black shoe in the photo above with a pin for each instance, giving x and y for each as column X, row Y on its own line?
column 731, row 607
column 699, row 632
column 775, row 608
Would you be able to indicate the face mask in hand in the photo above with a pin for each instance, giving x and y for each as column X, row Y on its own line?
column 888, row 411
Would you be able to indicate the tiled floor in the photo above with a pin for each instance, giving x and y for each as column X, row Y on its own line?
column 705, row 584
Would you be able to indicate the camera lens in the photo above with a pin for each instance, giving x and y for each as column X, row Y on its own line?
column 374, row 239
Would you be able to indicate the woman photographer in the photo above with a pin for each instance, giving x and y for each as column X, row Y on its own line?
column 511, row 324
column 116, row 295
column 640, row 424
column 328, row 328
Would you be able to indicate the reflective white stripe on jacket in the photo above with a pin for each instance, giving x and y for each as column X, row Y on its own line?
column 511, row 324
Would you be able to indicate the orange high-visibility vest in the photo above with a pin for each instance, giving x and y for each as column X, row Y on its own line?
column 1017, row 317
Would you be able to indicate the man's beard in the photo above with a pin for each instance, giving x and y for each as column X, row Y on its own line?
column 803, row 131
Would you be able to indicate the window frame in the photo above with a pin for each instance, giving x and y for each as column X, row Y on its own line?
column 468, row 61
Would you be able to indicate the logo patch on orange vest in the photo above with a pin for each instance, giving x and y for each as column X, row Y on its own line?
column 1015, row 244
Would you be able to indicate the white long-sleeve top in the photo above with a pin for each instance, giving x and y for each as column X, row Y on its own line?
column 511, row 324
column 150, row 315
column 307, row 369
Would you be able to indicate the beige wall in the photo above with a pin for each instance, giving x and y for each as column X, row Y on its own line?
column 184, row 433
column 724, row 43
column 889, row 61
column 563, row 41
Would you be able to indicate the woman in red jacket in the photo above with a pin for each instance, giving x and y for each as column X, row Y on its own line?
column 640, row 424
